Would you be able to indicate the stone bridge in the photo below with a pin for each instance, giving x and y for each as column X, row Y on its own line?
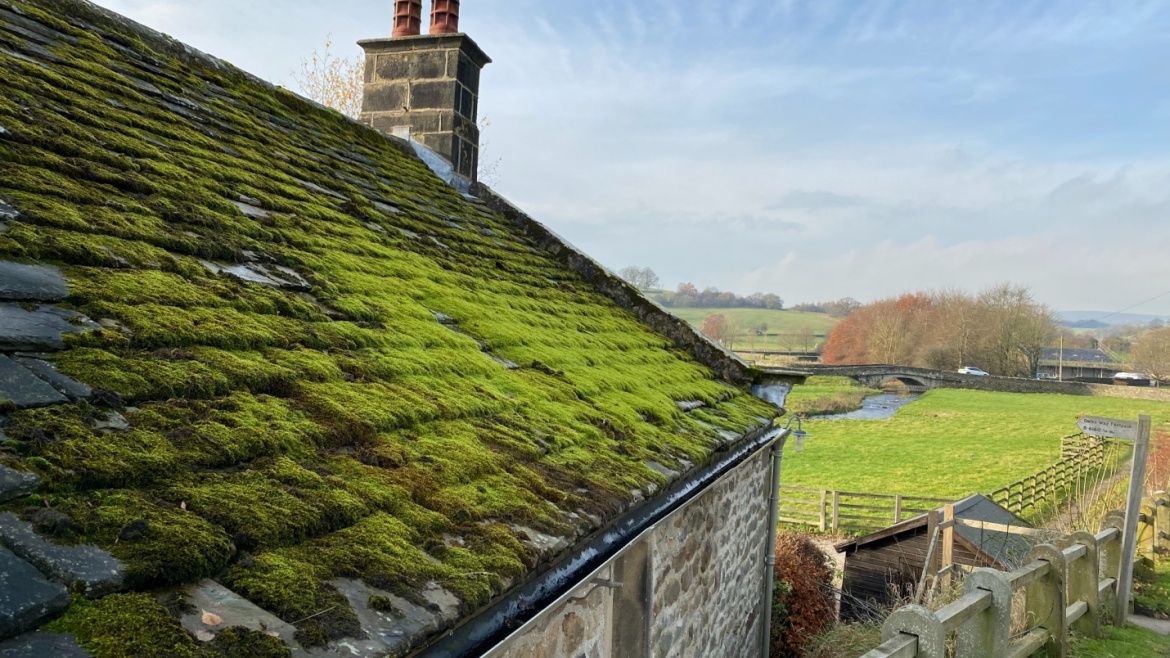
column 924, row 379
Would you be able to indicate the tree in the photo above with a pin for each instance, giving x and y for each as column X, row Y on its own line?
column 1151, row 353
column 642, row 278
column 333, row 81
column 715, row 327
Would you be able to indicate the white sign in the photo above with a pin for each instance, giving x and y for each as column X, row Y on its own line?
column 1110, row 427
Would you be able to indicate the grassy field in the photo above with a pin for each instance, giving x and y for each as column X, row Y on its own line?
column 1128, row 642
column 949, row 444
column 827, row 395
column 779, row 322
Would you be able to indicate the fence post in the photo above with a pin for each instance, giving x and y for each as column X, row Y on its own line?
column 1137, row 480
column 988, row 635
column 1162, row 527
column 1110, row 557
column 1147, row 538
column 1083, row 584
column 898, row 509
column 922, row 623
column 948, row 542
column 836, row 511
column 1046, row 601
column 824, row 501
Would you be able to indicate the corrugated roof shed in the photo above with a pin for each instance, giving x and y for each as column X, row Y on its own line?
column 250, row 340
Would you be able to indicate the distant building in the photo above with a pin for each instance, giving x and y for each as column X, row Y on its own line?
column 1072, row 363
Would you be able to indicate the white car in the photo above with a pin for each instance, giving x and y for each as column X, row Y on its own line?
column 973, row 371
column 1130, row 375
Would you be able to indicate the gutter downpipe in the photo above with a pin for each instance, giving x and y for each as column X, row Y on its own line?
column 770, row 549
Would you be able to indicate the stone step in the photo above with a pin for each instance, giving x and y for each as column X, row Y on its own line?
column 27, row 598
column 43, row 645
column 15, row 484
column 31, row 282
column 87, row 569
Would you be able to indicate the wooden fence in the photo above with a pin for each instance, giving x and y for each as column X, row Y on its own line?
column 1079, row 458
column 1066, row 585
column 837, row 511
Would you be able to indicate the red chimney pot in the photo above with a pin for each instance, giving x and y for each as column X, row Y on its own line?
column 445, row 16
column 407, row 18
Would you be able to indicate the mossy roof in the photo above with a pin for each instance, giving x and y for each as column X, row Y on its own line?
column 364, row 417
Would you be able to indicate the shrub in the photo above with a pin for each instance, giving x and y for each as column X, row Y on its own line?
column 803, row 604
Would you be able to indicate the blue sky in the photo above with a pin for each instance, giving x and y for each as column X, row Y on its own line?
column 816, row 149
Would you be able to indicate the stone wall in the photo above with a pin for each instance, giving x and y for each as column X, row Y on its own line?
column 691, row 587
column 1131, row 392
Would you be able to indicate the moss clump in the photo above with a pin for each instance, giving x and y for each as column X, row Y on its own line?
column 383, row 604
column 127, row 626
column 244, row 643
column 284, row 438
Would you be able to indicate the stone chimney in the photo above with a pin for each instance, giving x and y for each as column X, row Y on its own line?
column 427, row 85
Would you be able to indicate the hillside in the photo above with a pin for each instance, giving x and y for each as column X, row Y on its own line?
column 783, row 326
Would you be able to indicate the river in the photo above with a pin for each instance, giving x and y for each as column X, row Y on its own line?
column 877, row 407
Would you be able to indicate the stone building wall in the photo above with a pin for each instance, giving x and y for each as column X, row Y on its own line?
column 690, row 588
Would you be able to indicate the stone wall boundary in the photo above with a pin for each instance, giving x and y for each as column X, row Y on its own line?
column 1130, row 392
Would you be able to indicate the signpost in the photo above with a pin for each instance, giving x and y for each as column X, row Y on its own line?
column 1139, row 433
column 1110, row 427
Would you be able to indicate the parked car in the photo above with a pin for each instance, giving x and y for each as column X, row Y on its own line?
column 1130, row 375
column 969, row 370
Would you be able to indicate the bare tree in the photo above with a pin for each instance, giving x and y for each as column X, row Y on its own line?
column 332, row 80
column 715, row 327
column 1151, row 353
column 642, row 278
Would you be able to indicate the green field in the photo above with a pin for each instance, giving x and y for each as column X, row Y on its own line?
column 949, row 444
column 782, row 325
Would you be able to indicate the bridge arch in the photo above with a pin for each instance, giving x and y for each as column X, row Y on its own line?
column 900, row 382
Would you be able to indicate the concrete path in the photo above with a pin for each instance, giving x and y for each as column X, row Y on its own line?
column 1160, row 626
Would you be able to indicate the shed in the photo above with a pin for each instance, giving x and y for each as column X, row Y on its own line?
column 884, row 566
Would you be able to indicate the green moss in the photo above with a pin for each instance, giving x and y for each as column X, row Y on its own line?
column 244, row 643
column 283, row 438
column 127, row 626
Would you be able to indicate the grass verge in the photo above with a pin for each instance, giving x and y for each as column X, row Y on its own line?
column 1128, row 642
column 827, row 395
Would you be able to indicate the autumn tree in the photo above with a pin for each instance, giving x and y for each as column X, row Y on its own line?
column 715, row 327
column 1151, row 353
column 1001, row 329
column 331, row 80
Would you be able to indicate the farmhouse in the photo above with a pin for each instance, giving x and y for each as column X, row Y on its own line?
column 274, row 382
column 885, row 566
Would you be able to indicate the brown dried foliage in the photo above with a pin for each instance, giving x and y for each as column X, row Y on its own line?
column 804, row 606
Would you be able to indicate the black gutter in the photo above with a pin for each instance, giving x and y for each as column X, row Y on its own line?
column 492, row 626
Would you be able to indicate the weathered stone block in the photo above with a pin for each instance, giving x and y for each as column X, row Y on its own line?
column 429, row 65
column 392, row 67
column 27, row 599
column 43, row 645
column 31, row 282
column 438, row 95
column 14, row 484
column 21, row 387
column 89, row 569
column 386, row 98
